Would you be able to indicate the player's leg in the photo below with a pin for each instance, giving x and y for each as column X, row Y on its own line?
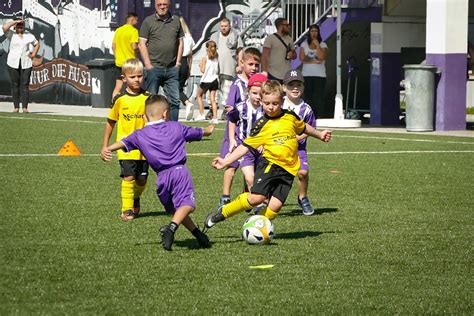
column 140, row 184
column 227, row 181
column 127, row 173
column 201, row 238
column 303, row 182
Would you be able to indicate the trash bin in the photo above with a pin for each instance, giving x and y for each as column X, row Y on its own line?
column 419, row 97
column 102, row 81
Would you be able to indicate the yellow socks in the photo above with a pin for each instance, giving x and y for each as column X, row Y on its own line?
column 238, row 205
column 138, row 190
column 127, row 194
column 270, row 214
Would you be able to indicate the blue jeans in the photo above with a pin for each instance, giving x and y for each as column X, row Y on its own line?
column 168, row 78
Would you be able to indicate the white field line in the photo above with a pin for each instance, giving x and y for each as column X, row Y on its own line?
column 405, row 139
column 395, row 152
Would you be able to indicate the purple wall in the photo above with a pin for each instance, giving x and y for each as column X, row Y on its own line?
column 451, row 91
column 385, row 89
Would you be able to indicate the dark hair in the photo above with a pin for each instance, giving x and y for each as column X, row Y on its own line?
column 279, row 22
column 131, row 15
column 308, row 37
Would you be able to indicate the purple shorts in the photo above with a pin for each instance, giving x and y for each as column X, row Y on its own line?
column 250, row 159
column 175, row 188
column 303, row 159
column 225, row 151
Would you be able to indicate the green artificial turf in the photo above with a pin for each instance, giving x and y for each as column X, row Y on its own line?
column 392, row 234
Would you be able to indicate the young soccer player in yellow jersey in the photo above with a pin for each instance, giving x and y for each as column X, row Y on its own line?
column 128, row 113
column 277, row 132
column 124, row 46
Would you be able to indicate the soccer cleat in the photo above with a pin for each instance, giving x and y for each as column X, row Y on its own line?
column 223, row 201
column 136, row 207
column 213, row 218
column 305, row 204
column 202, row 239
column 167, row 237
column 127, row 216
column 257, row 209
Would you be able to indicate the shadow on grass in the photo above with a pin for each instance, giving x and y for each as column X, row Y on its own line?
column 297, row 235
column 317, row 211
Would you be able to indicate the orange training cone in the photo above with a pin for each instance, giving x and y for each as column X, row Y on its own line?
column 69, row 149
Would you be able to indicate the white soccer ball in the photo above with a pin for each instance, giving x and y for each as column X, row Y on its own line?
column 258, row 229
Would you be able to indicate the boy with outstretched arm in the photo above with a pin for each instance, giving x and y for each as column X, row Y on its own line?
column 162, row 142
column 276, row 131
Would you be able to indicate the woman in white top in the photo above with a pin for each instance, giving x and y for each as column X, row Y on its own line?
column 209, row 81
column 23, row 48
column 185, row 68
column 313, row 55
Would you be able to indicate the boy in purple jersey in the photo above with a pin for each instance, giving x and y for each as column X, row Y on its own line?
column 242, row 118
column 250, row 64
column 293, row 85
column 163, row 142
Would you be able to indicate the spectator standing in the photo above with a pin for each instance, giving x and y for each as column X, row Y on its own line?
column 313, row 55
column 185, row 68
column 161, row 47
column 209, row 67
column 228, row 42
column 278, row 51
column 23, row 48
column 124, row 46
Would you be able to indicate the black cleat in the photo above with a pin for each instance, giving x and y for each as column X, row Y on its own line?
column 213, row 218
column 202, row 239
column 167, row 237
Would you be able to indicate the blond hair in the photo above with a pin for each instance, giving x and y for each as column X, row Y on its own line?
column 156, row 105
column 132, row 65
column 272, row 87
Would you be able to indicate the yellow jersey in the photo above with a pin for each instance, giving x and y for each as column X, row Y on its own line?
column 124, row 37
column 277, row 135
column 128, row 110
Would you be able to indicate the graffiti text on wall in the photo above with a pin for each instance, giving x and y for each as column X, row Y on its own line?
column 61, row 70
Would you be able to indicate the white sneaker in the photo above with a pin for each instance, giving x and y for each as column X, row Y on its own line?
column 214, row 121
column 189, row 111
column 200, row 118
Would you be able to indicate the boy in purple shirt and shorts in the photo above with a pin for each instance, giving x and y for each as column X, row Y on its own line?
column 163, row 142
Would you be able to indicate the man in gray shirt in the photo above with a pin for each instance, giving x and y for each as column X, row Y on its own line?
column 228, row 41
column 161, row 48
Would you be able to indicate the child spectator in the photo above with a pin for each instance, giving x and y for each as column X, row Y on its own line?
column 128, row 113
column 209, row 66
column 280, row 163
column 250, row 63
column 293, row 85
column 162, row 142
column 241, row 120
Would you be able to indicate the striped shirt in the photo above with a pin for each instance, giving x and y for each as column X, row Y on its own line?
column 303, row 110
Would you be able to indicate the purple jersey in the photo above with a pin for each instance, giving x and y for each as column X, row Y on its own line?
column 303, row 110
column 163, row 143
column 237, row 94
column 244, row 115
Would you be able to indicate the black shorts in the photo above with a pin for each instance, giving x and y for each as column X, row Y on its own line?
column 209, row 86
column 117, row 73
column 272, row 180
column 136, row 168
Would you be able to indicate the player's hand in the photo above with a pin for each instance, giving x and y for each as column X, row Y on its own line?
column 326, row 135
column 105, row 154
column 208, row 130
column 218, row 163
